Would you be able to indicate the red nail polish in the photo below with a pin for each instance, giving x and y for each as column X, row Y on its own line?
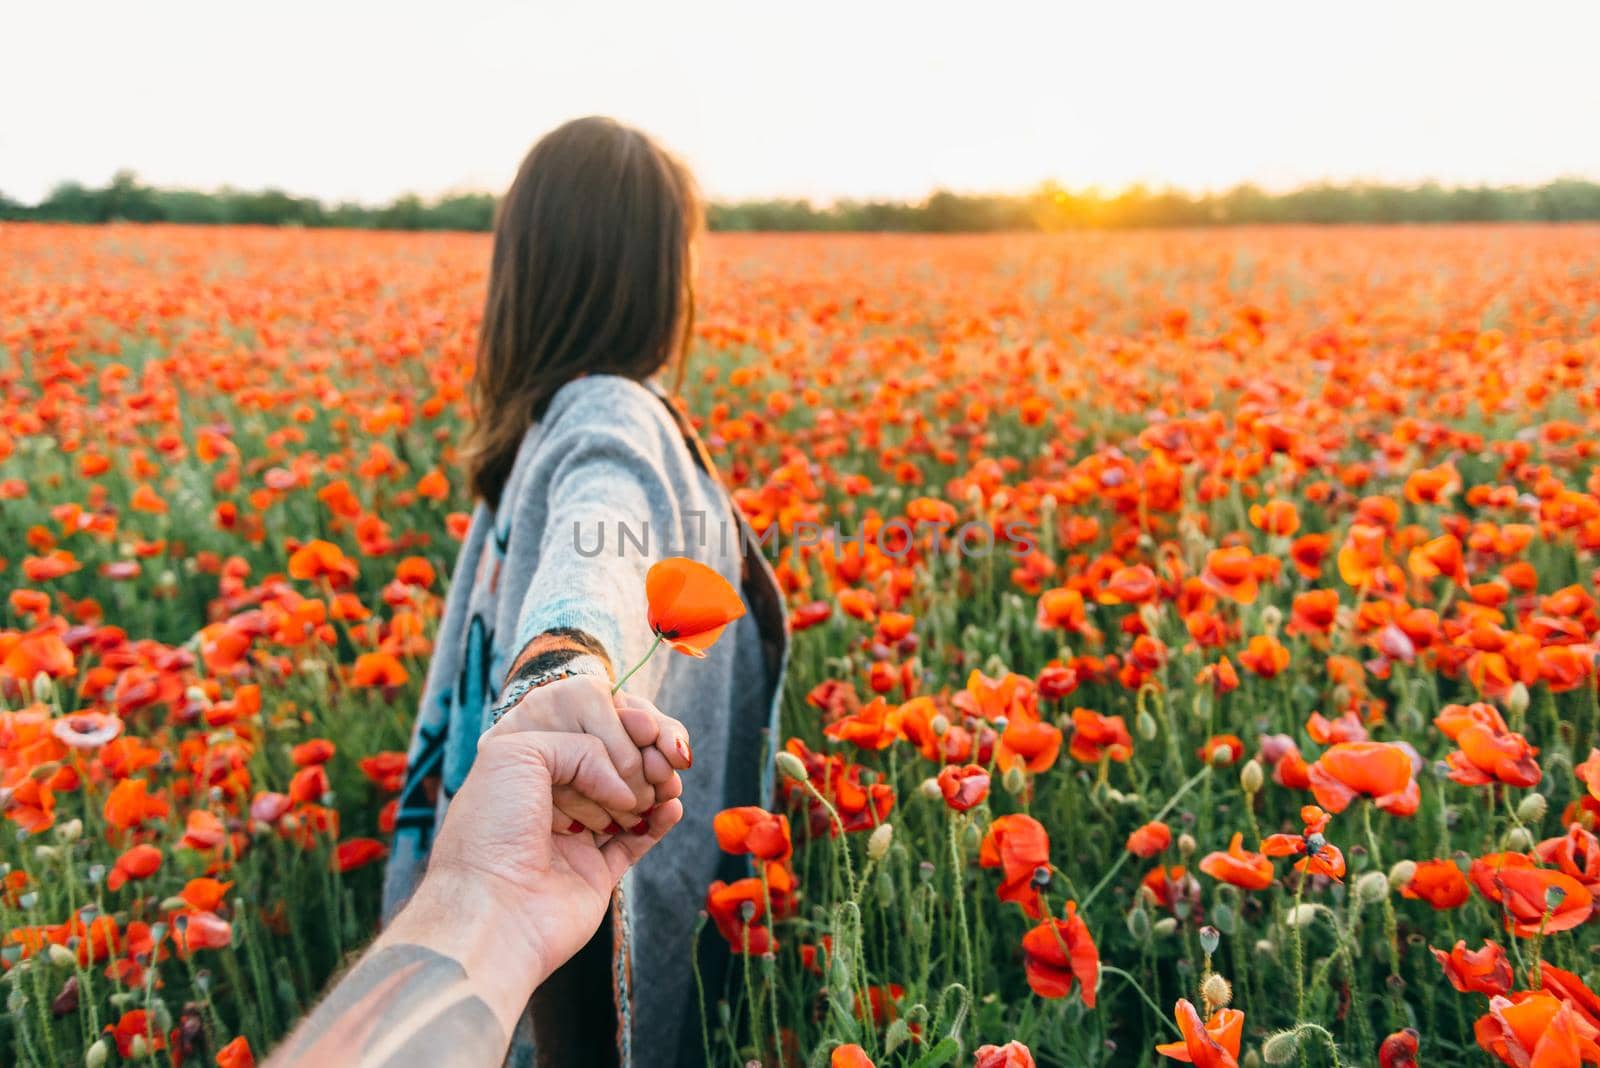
column 644, row 825
column 575, row 828
column 685, row 752
column 613, row 827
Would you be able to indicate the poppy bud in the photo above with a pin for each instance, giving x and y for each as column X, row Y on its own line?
column 95, row 1056
column 1165, row 927
column 1301, row 916
column 1222, row 915
column 1150, row 616
column 44, row 688
column 1402, row 873
column 1251, row 777
column 972, row 838
column 1138, row 922
column 898, row 1034
column 1216, row 991
column 41, row 772
column 930, row 789
column 1531, row 809
column 1210, row 938
column 925, row 871
column 69, row 832
column 1186, row 845
column 1251, row 1059
column 1145, row 724
column 1280, row 1048
column 1015, row 780
column 62, row 957
column 1265, row 947
column 1272, row 618
column 1372, row 888
column 939, row 725
column 139, row 1048
column 878, row 843
column 791, row 765
column 173, row 904
column 1517, row 699
column 1519, row 840
column 44, row 853
column 885, row 888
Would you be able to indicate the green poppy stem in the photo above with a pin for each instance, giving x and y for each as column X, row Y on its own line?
column 647, row 655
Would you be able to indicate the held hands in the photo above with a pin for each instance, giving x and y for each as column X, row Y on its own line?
column 499, row 847
column 646, row 749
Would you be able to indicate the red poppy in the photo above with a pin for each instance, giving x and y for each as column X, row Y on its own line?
column 1239, row 866
column 1010, row 1055
column 309, row 784
column 1096, row 737
column 1487, row 756
column 135, row 1030
column 964, row 787
column 1019, row 846
column 1319, row 856
column 753, row 830
column 1536, row 1030
column 316, row 751
column 1057, row 953
column 1399, row 1050
column 1477, row 971
column 1438, row 882
column 1538, row 900
column 140, row 862
column 849, row 1056
column 130, row 804
column 379, row 669
column 357, row 853
column 236, row 1054
column 1222, row 750
column 1213, row 1043
column 1383, row 771
column 737, row 909
column 689, row 604
column 874, row 726
column 1152, row 838
column 1028, row 742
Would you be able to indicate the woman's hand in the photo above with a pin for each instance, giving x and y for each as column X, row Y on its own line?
column 646, row 748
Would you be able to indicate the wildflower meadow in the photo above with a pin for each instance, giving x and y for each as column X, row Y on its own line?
column 1194, row 636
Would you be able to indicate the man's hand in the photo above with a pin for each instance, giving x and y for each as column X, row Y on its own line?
column 504, row 901
column 645, row 747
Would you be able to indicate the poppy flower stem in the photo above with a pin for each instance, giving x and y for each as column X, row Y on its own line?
column 959, row 880
column 1108, row 969
column 647, row 655
column 1172, row 802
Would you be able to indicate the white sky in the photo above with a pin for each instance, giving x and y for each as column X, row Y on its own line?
column 365, row 100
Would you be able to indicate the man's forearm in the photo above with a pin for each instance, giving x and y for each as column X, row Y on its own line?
column 439, row 986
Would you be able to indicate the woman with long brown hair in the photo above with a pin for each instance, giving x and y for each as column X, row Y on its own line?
column 586, row 473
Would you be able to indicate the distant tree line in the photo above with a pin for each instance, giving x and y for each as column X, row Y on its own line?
column 1048, row 208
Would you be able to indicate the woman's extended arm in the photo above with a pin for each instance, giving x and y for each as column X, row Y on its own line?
column 503, row 904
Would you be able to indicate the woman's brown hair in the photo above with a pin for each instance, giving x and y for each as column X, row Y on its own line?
column 590, row 275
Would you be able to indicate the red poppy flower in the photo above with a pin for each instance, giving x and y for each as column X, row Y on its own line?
column 1536, row 1029
column 1477, row 971
column 964, row 787
column 1438, row 882
column 316, row 751
column 849, row 1056
column 1152, row 838
column 1019, row 846
column 1487, row 756
column 737, row 909
column 753, row 830
column 135, row 1026
column 874, row 726
column 130, row 804
column 1528, row 894
column 1383, row 771
column 379, row 669
column 1222, row 750
column 1213, row 1043
column 1239, row 866
column 309, row 784
column 1570, row 988
column 1057, row 953
column 689, row 604
column 357, row 853
column 1028, row 742
column 1096, row 737
column 140, row 862
column 1010, row 1055
column 1399, row 1050
column 236, row 1054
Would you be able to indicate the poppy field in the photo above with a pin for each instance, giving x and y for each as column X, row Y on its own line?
column 1194, row 649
